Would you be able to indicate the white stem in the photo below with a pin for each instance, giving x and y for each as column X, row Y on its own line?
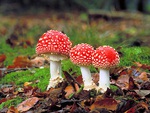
column 55, row 69
column 55, row 72
column 87, row 78
column 104, row 80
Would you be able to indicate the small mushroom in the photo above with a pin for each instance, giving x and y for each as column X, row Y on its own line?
column 57, row 45
column 105, row 57
column 81, row 55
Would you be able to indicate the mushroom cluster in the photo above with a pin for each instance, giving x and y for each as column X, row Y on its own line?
column 58, row 46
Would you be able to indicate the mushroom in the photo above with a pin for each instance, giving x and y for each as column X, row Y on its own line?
column 105, row 57
column 81, row 55
column 57, row 45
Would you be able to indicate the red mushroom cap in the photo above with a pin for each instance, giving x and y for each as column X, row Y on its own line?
column 81, row 54
column 54, row 42
column 105, row 57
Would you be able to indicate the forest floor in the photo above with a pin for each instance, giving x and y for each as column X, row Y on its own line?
column 23, row 82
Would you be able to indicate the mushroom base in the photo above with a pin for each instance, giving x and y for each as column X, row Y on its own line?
column 87, row 78
column 90, row 87
column 54, row 82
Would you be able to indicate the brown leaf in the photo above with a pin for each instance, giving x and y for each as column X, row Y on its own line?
column 69, row 90
column 7, row 89
column 107, row 103
column 27, row 84
column 20, row 62
column 38, row 61
column 124, row 105
column 137, row 108
column 132, row 84
column 12, row 109
column 123, row 81
column 55, row 94
column 3, row 100
column 2, row 57
column 145, row 85
column 27, row 104
column 143, row 66
column 143, row 76
column 29, row 90
column 79, row 79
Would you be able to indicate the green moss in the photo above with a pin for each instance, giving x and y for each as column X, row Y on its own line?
column 11, row 102
column 135, row 54
column 113, row 87
column 20, row 77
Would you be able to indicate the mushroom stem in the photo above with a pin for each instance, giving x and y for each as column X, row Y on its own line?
column 104, row 80
column 87, row 78
column 55, row 69
column 55, row 73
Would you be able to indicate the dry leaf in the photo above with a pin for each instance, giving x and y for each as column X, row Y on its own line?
column 69, row 90
column 38, row 61
column 142, row 93
column 143, row 76
column 27, row 104
column 132, row 84
column 145, row 85
column 123, row 81
column 2, row 57
column 137, row 108
column 107, row 103
column 12, row 109
column 27, row 84
column 21, row 62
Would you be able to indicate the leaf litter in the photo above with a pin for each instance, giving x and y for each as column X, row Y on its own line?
column 130, row 96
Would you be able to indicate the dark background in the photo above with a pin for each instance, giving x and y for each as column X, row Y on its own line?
column 19, row 6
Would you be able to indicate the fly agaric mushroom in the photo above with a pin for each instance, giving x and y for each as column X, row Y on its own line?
column 57, row 45
column 81, row 55
column 105, row 57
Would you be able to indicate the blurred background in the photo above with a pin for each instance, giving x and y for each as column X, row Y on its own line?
column 122, row 24
column 17, row 6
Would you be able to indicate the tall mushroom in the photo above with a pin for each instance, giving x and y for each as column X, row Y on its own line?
column 105, row 57
column 57, row 45
column 81, row 55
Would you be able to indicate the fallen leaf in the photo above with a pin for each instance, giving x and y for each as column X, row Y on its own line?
column 123, row 81
column 69, row 90
column 21, row 62
column 124, row 105
column 12, row 109
column 143, row 76
column 107, row 103
column 2, row 57
column 132, row 84
column 3, row 100
column 142, row 93
column 27, row 84
column 7, row 89
column 38, row 61
column 27, row 104
column 29, row 90
column 140, row 107
column 145, row 85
